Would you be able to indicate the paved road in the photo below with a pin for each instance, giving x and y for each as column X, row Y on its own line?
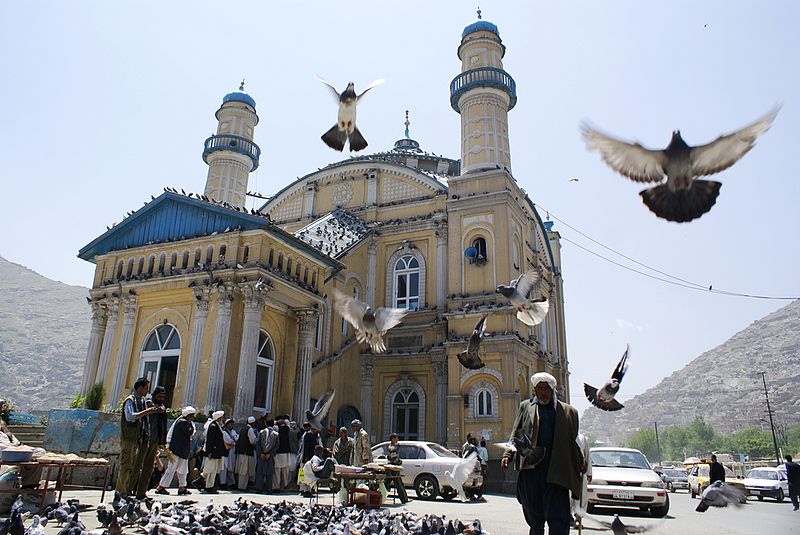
column 501, row 515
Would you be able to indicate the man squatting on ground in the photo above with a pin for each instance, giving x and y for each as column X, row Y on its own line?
column 543, row 489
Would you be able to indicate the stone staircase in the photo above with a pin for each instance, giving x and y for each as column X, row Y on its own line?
column 30, row 435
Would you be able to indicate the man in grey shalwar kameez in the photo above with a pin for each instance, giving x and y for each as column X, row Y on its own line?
column 266, row 445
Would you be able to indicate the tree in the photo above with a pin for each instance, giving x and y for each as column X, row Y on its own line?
column 700, row 437
column 644, row 440
column 793, row 440
column 752, row 441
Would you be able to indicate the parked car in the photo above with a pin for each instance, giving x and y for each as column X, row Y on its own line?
column 622, row 477
column 675, row 478
column 698, row 479
column 424, row 465
column 767, row 481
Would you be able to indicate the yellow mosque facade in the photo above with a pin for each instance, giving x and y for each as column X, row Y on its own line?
column 230, row 308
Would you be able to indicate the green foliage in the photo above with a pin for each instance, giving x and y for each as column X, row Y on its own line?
column 8, row 408
column 644, row 440
column 77, row 402
column 173, row 413
column 94, row 397
column 700, row 437
column 793, row 441
column 752, row 441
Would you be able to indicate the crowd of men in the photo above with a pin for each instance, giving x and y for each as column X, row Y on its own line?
column 265, row 455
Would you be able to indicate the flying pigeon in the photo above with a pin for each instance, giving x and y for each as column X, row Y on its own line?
column 682, row 197
column 470, row 357
column 720, row 494
column 604, row 398
column 460, row 474
column 320, row 410
column 518, row 292
column 370, row 326
column 345, row 128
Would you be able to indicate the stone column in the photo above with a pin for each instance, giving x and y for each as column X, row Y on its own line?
column 219, row 349
column 201, row 296
column 112, row 312
column 441, row 267
column 248, row 354
column 306, row 324
column 372, row 254
column 95, row 344
column 367, row 379
column 124, row 349
column 439, row 363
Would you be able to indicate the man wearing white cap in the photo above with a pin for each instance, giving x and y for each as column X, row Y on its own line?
column 215, row 451
column 245, row 454
column 179, row 440
column 552, row 469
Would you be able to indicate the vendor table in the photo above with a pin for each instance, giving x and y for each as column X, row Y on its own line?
column 56, row 473
column 373, row 481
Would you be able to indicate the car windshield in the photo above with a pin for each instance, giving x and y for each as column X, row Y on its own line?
column 619, row 459
column 440, row 451
column 675, row 473
column 763, row 474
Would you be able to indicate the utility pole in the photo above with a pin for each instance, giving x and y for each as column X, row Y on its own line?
column 658, row 445
column 771, row 424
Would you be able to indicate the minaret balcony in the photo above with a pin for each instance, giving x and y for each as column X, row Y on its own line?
column 482, row 77
column 233, row 143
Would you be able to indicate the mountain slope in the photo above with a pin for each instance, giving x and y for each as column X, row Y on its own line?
column 43, row 339
column 721, row 385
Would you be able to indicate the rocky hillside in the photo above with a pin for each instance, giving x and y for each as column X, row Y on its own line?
column 43, row 338
column 721, row 385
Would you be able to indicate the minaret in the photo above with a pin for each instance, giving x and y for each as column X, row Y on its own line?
column 231, row 154
column 483, row 94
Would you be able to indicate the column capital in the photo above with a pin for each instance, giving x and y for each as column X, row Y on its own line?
column 129, row 305
column 99, row 312
column 441, row 234
column 372, row 247
column 306, row 318
column 254, row 295
column 112, row 307
column 202, row 296
column 225, row 293
column 439, row 363
column 367, row 368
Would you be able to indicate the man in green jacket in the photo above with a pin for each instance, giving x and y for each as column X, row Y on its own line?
column 543, row 488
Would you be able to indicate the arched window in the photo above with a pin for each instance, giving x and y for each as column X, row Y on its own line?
column 479, row 244
column 305, row 275
column 515, row 254
column 120, row 268
column 406, row 279
column 405, row 414
column 140, row 267
column 314, row 279
column 185, row 262
column 297, row 270
column 271, row 257
column 245, row 254
column 288, row 265
column 262, row 399
column 483, row 403
column 345, row 325
column 151, row 262
column 159, row 359
column 222, row 250
column 197, row 254
column 161, row 261
column 209, row 254
column 280, row 262
column 346, row 415
column 129, row 272
column 173, row 261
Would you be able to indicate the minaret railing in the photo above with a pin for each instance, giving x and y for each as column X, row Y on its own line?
column 482, row 77
column 234, row 143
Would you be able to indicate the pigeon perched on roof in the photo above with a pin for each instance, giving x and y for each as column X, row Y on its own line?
column 529, row 312
column 604, row 397
column 470, row 358
column 370, row 325
column 720, row 494
column 682, row 197
column 320, row 410
column 345, row 128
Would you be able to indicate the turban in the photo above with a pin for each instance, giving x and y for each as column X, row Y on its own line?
column 216, row 415
column 543, row 377
column 187, row 411
column 251, row 420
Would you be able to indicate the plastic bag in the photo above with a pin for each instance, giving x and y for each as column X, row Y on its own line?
column 300, row 476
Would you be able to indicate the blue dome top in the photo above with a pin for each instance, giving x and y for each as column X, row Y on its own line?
column 480, row 26
column 238, row 96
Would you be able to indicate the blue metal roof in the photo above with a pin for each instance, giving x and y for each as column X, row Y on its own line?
column 481, row 26
column 238, row 96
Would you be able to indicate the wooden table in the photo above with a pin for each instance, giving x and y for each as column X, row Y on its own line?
column 60, row 470
column 373, row 481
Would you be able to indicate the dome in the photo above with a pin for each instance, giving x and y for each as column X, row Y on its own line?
column 481, row 26
column 238, row 96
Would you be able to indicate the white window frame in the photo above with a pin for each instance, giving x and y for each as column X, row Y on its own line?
column 484, row 403
column 406, row 272
column 157, row 355
column 270, row 365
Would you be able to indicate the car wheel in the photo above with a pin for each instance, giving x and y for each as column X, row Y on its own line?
column 760, row 498
column 426, row 487
column 660, row 512
column 780, row 496
column 448, row 495
column 692, row 492
column 477, row 495
column 670, row 487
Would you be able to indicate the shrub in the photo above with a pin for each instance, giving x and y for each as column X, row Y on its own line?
column 94, row 397
column 77, row 402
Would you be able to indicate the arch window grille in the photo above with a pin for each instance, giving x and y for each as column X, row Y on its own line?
column 406, row 287
column 159, row 359
column 262, row 399
column 405, row 414
column 481, row 255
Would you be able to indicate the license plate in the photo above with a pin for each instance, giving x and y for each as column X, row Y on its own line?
column 622, row 494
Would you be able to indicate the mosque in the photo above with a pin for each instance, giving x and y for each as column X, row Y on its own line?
column 232, row 308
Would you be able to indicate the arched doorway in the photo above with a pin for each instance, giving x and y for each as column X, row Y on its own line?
column 159, row 359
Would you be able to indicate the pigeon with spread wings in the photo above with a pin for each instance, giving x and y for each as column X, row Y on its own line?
column 320, row 410
column 370, row 325
column 345, row 128
column 720, row 494
column 682, row 197
column 470, row 358
column 529, row 312
column 460, row 474
column 604, row 397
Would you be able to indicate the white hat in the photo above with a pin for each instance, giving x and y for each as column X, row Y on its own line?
column 251, row 420
column 216, row 415
column 188, row 410
column 543, row 377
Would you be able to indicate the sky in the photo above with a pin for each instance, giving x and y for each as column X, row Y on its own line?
column 105, row 103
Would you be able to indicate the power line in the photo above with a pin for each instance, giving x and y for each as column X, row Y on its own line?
column 680, row 282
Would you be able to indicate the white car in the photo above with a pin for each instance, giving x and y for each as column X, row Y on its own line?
column 766, row 481
column 424, row 465
column 622, row 477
